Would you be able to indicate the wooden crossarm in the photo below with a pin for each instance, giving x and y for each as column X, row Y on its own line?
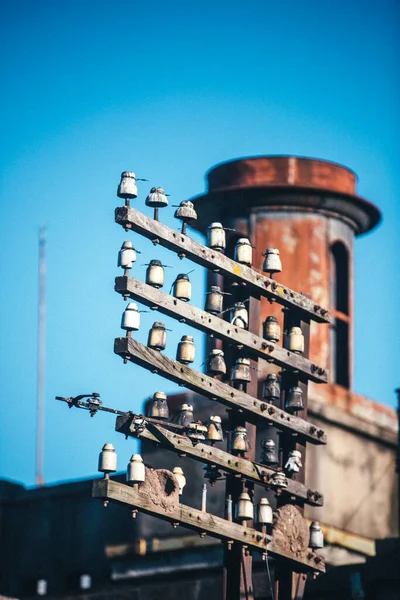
column 202, row 522
column 255, row 409
column 195, row 317
column 211, row 455
column 258, row 284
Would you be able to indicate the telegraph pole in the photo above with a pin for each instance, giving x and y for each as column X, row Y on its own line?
column 41, row 356
column 235, row 386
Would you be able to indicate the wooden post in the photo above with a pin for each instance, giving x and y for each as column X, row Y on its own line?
column 289, row 585
column 238, row 561
column 243, row 404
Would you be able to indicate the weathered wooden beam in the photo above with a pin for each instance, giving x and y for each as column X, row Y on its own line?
column 204, row 321
column 199, row 521
column 202, row 522
column 210, row 455
column 258, row 284
column 254, row 409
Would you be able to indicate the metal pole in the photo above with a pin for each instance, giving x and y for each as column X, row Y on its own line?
column 397, row 391
column 41, row 356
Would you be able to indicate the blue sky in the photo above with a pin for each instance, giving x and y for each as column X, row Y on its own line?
column 169, row 89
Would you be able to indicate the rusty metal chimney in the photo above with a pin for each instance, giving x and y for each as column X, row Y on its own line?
column 310, row 210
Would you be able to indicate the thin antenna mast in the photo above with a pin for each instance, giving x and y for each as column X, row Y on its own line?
column 41, row 356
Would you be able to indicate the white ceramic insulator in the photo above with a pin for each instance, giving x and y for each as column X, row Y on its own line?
column 272, row 262
column 243, row 252
column 128, row 186
column 183, row 290
column 155, row 276
column 265, row 515
column 126, row 258
column 157, row 338
column 296, row 340
column 136, row 470
column 130, row 319
column 217, row 238
column 108, row 459
column 186, row 351
column 240, row 317
column 316, row 537
column 272, row 331
column 177, row 471
column 244, row 507
column 239, row 441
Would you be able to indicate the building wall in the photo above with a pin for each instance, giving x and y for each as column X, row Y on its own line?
column 56, row 533
column 356, row 472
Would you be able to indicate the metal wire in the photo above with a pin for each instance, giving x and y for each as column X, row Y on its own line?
column 269, row 577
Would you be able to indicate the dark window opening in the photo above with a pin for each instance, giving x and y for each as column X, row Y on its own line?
column 340, row 286
column 340, row 353
column 340, row 278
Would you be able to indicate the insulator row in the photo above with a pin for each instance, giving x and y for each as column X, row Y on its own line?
column 244, row 511
column 243, row 251
column 215, row 362
column 157, row 338
column 270, row 458
column 272, row 333
column 271, row 393
column 158, row 409
column 155, row 273
column 244, row 507
column 185, row 212
column 156, row 199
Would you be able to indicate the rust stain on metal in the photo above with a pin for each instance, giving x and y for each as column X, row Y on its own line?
column 298, row 245
column 290, row 170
